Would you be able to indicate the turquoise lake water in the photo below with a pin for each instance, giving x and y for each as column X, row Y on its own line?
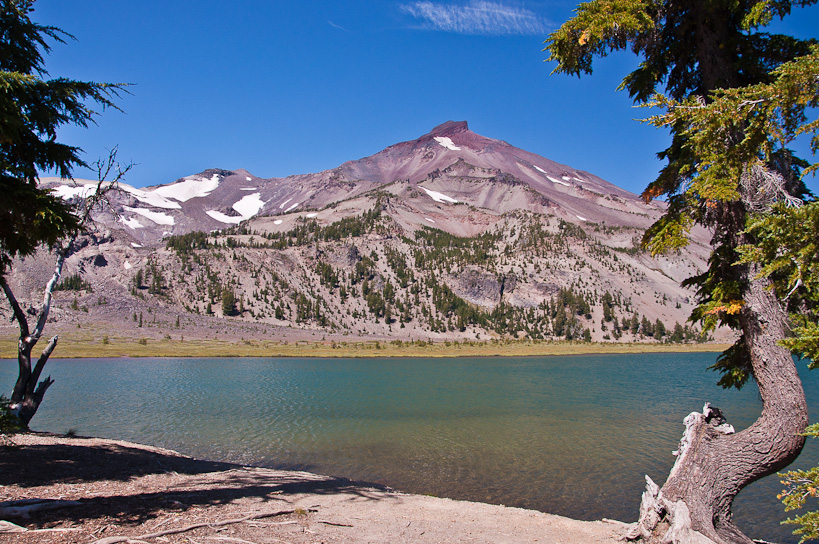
column 569, row 435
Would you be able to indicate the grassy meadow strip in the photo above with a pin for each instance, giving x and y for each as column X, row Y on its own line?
column 110, row 346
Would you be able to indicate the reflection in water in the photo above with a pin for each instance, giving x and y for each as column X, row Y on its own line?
column 568, row 435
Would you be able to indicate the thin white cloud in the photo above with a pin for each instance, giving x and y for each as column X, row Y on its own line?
column 477, row 17
column 339, row 27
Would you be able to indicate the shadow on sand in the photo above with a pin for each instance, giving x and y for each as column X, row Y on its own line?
column 132, row 485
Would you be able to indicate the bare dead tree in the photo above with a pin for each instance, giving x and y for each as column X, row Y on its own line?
column 29, row 390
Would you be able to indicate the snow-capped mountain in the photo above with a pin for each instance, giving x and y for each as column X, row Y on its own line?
column 450, row 235
column 451, row 165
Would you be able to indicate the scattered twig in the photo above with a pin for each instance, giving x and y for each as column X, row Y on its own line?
column 229, row 539
column 161, row 523
column 101, row 529
column 271, row 523
column 118, row 539
column 333, row 523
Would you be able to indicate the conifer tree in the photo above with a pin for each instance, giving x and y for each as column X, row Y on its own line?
column 734, row 96
column 31, row 111
column 228, row 301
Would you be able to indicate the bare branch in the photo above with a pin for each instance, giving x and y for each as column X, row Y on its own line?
column 762, row 188
column 41, row 389
column 49, row 291
column 92, row 202
column 15, row 306
column 105, row 186
column 28, row 394
column 38, row 368
column 795, row 287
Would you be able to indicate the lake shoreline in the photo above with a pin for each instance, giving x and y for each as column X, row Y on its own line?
column 124, row 489
column 107, row 346
column 571, row 435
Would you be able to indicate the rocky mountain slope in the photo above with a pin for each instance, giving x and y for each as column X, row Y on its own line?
column 449, row 236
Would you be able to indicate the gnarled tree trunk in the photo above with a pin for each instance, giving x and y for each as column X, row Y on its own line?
column 714, row 463
column 28, row 393
column 28, row 390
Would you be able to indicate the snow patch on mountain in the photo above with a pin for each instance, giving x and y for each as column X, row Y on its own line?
column 312, row 214
column 219, row 216
column 157, row 217
column 553, row 180
column 430, row 220
column 278, row 222
column 68, row 191
column 581, row 218
column 291, row 207
column 439, row 197
column 85, row 190
column 189, row 188
column 283, row 204
column 132, row 223
column 447, row 143
column 150, row 198
column 249, row 206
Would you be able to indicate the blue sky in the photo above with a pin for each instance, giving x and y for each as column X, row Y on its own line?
column 283, row 87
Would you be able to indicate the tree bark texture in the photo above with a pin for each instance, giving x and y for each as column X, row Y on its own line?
column 29, row 390
column 714, row 463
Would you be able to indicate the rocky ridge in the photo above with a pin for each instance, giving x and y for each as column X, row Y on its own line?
column 449, row 236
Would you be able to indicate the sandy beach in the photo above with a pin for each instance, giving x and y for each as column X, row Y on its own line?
column 115, row 491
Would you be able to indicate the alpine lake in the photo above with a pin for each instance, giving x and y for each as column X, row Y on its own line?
column 569, row 435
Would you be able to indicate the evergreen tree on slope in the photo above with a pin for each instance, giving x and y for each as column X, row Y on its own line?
column 734, row 97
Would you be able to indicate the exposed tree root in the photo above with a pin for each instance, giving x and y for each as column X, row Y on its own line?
column 9, row 527
column 24, row 508
column 138, row 538
column 657, row 513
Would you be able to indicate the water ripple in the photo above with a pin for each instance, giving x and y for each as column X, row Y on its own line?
column 569, row 435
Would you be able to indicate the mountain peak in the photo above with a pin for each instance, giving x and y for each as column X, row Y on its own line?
column 449, row 128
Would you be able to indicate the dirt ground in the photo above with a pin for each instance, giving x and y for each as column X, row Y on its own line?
column 124, row 492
